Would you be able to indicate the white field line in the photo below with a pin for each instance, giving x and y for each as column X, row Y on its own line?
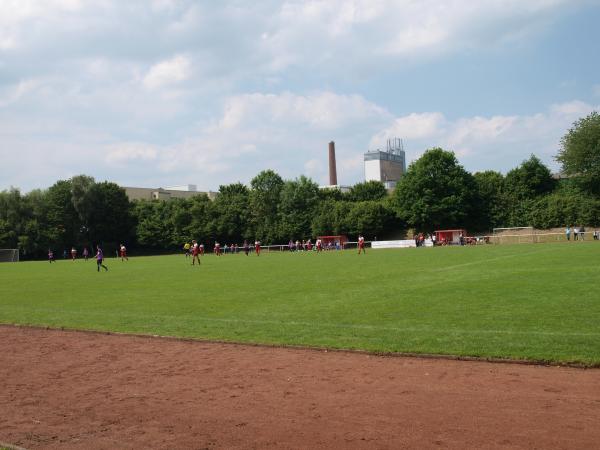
column 481, row 261
column 295, row 323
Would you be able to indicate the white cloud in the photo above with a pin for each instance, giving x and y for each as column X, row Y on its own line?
column 168, row 72
column 125, row 152
column 481, row 143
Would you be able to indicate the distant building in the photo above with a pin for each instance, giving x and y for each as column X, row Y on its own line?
column 343, row 189
column 388, row 165
column 186, row 191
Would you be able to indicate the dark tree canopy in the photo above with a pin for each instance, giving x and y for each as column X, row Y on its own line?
column 435, row 193
column 580, row 152
column 530, row 180
column 369, row 190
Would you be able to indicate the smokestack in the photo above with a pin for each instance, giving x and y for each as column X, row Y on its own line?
column 332, row 168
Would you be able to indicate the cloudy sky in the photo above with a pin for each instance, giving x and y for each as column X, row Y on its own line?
column 156, row 93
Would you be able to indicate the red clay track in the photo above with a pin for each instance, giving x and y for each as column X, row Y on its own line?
column 86, row 391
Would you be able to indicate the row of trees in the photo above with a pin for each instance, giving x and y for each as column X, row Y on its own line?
column 436, row 192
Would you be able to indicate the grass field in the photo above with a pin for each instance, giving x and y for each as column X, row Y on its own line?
column 528, row 301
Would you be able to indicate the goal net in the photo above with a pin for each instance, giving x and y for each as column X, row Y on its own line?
column 513, row 235
column 9, row 255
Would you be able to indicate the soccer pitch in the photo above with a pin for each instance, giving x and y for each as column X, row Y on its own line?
column 539, row 302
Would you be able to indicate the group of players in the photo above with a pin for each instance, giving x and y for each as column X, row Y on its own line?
column 195, row 249
column 121, row 252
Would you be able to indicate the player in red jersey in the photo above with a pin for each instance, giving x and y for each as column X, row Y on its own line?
column 217, row 249
column 195, row 253
column 257, row 247
column 201, row 246
column 361, row 244
column 123, row 252
column 73, row 253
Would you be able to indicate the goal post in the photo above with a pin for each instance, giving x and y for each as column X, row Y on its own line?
column 514, row 235
column 9, row 255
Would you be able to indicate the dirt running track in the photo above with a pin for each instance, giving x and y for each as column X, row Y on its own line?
column 92, row 391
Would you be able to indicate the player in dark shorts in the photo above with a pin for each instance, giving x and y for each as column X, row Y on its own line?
column 100, row 258
column 51, row 256
column 246, row 248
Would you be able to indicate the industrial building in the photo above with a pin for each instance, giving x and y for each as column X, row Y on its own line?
column 388, row 165
column 184, row 191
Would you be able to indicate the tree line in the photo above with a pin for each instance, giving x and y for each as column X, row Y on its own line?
column 435, row 193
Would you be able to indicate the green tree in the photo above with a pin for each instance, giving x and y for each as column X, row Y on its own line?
column 529, row 180
column 298, row 201
column 111, row 221
column 63, row 220
column 368, row 190
column 490, row 210
column 264, row 201
column 231, row 213
column 579, row 154
column 436, row 192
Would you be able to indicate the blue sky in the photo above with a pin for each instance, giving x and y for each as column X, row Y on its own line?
column 164, row 92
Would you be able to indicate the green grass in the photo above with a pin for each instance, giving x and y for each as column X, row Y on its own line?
column 538, row 302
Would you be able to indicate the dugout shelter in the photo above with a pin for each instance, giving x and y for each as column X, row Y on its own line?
column 342, row 239
column 449, row 236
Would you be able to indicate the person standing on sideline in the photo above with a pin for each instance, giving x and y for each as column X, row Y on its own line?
column 361, row 244
column 575, row 233
column 582, row 233
column 123, row 251
column 568, row 233
column 257, row 247
column 100, row 258
column 246, row 247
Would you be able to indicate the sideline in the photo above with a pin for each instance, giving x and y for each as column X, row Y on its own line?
column 493, row 360
column 4, row 445
column 297, row 323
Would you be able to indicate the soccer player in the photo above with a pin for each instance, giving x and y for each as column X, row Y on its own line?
column 186, row 249
column 73, row 253
column 195, row 253
column 257, row 247
column 217, row 249
column 85, row 253
column 246, row 247
column 319, row 245
column 100, row 258
column 123, row 252
column 361, row 244
column 201, row 246
column 51, row 256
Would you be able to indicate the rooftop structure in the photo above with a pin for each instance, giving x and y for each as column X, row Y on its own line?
column 387, row 165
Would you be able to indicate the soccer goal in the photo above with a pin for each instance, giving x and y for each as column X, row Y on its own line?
column 514, row 235
column 9, row 255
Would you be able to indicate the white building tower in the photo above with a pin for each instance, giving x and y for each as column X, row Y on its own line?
column 388, row 165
